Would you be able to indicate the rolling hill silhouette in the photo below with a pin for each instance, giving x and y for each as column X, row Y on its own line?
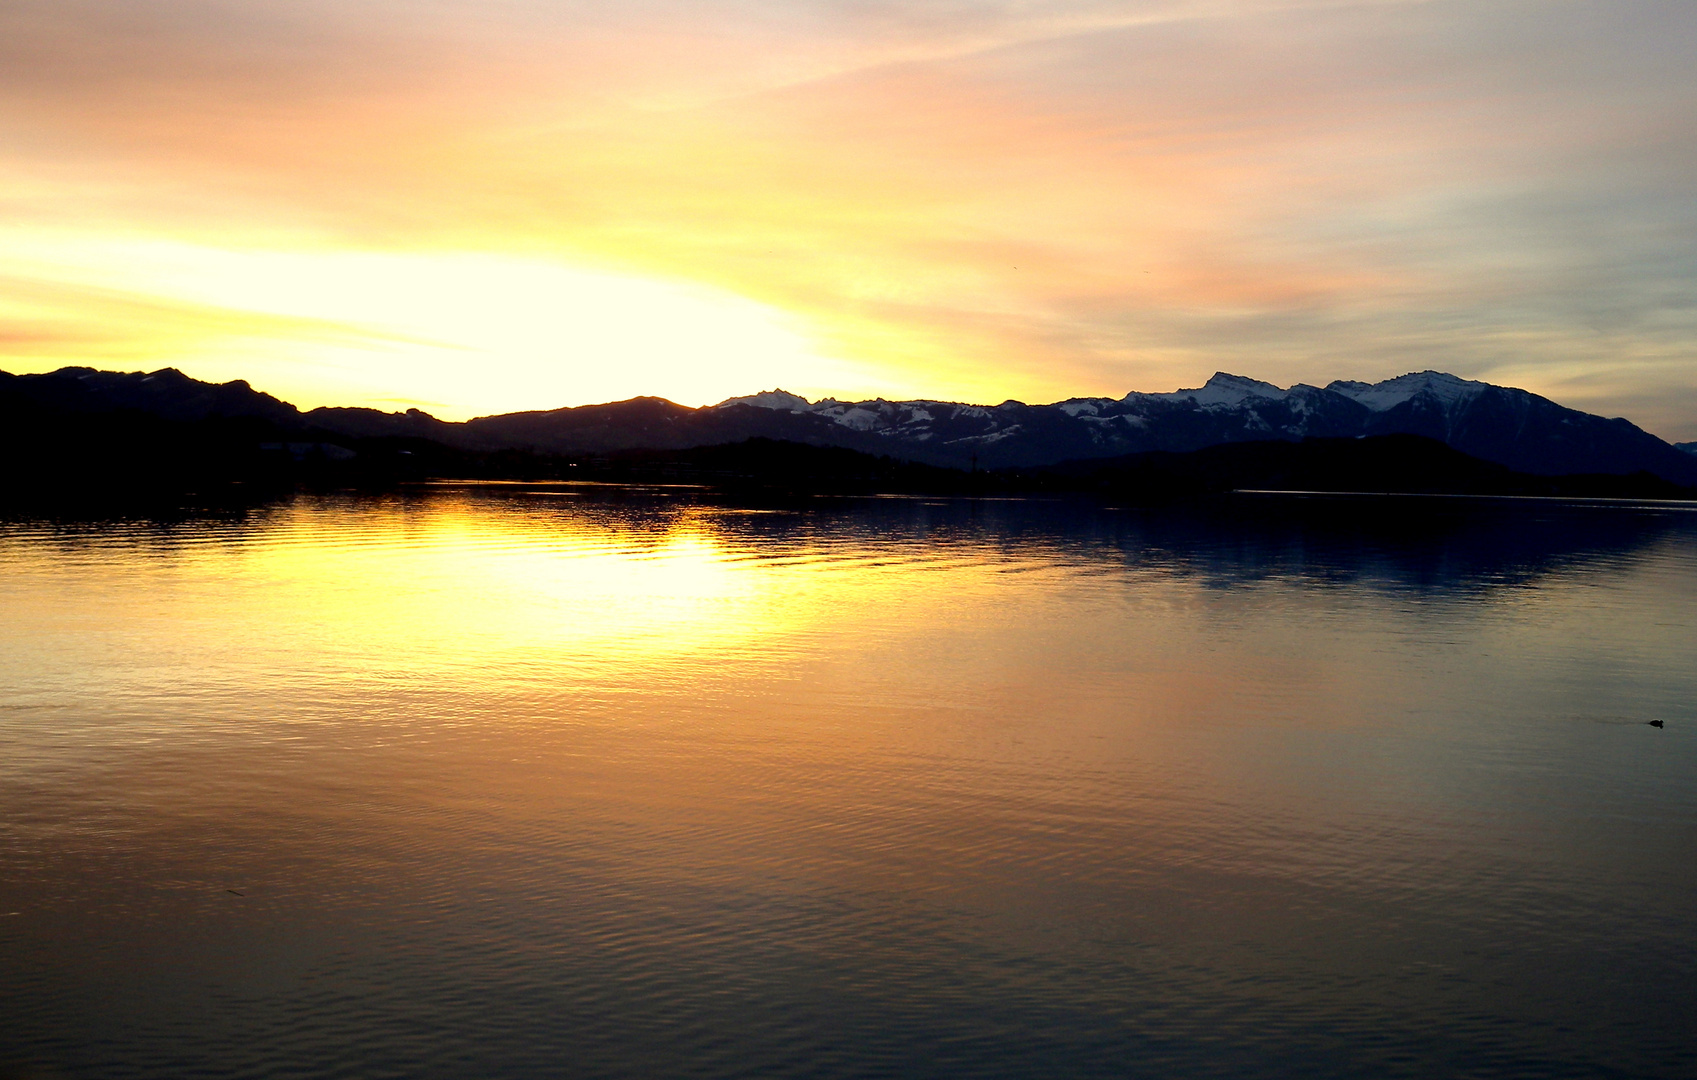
column 1425, row 432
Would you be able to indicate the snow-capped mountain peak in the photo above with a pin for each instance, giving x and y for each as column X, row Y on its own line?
column 1447, row 389
column 1230, row 391
column 1509, row 426
column 782, row 400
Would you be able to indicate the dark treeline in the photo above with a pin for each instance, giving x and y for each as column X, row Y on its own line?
column 1391, row 464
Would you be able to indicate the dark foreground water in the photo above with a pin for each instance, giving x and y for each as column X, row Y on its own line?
column 496, row 782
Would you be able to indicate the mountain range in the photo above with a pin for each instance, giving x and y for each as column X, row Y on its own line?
column 1510, row 427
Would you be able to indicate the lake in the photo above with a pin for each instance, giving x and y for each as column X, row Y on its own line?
column 518, row 781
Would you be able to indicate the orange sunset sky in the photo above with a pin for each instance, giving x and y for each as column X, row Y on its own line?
column 474, row 207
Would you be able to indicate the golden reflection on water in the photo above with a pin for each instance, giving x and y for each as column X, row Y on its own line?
column 477, row 760
column 467, row 597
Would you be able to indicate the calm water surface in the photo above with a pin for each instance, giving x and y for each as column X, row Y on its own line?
column 506, row 782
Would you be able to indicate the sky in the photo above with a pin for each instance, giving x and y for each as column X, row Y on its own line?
column 476, row 207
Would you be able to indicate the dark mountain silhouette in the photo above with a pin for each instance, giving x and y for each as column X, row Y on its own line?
column 166, row 393
column 1505, row 426
column 1508, row 426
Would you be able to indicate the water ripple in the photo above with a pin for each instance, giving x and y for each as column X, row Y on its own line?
column 478, row 782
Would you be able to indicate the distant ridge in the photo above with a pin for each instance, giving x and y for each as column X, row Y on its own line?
column 1510, row 427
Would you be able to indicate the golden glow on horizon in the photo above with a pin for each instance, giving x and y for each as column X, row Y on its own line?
column 478, row 208
column 466, row 333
